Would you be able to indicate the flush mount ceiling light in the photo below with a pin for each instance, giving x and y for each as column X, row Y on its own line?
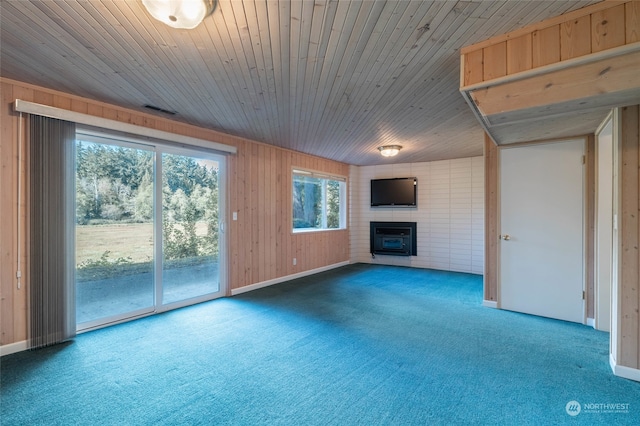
column 185, row 14
column 389, row 150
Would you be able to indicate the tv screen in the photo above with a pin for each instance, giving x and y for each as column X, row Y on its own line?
column 396, row 192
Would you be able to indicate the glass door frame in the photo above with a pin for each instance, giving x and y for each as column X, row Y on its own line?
column 158, row 241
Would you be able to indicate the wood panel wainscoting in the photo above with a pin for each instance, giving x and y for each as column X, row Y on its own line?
column 261, row 244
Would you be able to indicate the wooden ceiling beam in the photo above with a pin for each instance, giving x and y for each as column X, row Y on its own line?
column 580, row 63
column 611, row 82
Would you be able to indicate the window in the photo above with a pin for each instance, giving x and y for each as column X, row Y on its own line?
column 318, row 201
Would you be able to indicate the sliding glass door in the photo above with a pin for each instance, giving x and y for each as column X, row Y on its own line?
column 114, row 231
column 147, row 228
column 190, row 227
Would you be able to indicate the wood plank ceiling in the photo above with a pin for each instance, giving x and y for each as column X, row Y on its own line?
column 333, row 78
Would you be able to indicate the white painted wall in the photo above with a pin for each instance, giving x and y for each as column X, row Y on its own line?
column 449, row 216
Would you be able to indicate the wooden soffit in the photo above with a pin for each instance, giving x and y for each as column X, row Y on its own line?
column 529, row 85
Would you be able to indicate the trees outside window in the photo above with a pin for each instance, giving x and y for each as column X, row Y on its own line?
column 114, row 184
column 147, row 227
column 318, row 201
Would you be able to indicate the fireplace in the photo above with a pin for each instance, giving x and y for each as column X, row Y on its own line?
column 393, row 238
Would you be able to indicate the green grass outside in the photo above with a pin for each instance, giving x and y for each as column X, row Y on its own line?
column 127, row 240
column 121, row 249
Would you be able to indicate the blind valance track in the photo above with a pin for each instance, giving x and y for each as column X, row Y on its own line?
column 105, row 123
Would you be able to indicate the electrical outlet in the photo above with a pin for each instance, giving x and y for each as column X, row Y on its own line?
column 295, row 261
column 235, row 215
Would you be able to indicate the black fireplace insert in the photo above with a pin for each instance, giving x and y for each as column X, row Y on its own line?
column 393, row 238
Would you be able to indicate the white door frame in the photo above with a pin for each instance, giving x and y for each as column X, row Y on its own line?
column 603, row 240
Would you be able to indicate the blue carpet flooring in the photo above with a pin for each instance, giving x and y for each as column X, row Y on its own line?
column 358, row 345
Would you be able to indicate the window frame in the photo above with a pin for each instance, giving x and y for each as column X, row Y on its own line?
column 342, row 206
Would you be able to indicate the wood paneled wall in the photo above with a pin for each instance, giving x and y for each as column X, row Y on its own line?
column 588, row 30
column 261, row 245
column 13, row 300
column 627, row 322
column 491, row 218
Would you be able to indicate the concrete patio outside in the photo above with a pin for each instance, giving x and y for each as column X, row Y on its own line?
column 106, row 297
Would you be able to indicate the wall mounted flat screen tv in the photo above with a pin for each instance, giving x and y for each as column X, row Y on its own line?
column 396, row 192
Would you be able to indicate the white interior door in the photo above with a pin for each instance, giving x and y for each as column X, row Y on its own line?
column 541, row 214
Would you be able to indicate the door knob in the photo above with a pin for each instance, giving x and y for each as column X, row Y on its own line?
column 506, row 237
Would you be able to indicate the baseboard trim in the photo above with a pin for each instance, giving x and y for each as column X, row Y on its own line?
column 624, row 372
column 267, row 283
column 591, row 322
column 12, row 348
column 490, row 304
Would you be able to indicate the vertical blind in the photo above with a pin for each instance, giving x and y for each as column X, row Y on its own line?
column 51, row 173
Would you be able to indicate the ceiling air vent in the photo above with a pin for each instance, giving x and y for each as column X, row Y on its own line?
column 158, row 109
